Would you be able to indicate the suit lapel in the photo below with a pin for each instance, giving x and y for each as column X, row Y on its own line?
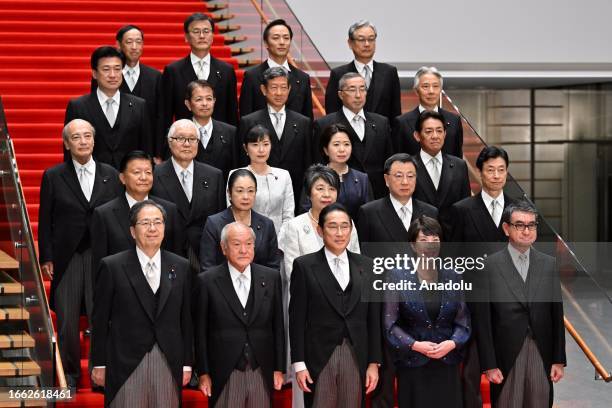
column 513, row 280
column 357, row 155
column 424, row 180
column 534, row 275
column 100, row 180
column 370, row 133
column 356, row 272
column 290, row 132
column 198, row 191
column 70, row 177
column 481, row 218
column 446, row 177
column 392, row 222
column 226, row 287
column 259, row 289
column 135, row 276
column 172, row 185
column 374, row 90
column 99, row 118
column 214, row 75
column 121, row 211
column 327, row 281
column 166, row 280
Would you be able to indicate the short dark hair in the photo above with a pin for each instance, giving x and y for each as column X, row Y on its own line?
column 274, row 72
column 197, row 17
column 491, row 152
column 198, row 83
column 426, row 225
column 330, row 208
column 399, row 157
column 328, row 133
column 320, row 171
column 105, row 51
column 418, row 126
column 135, row 155
column 136, row 208
column 255, row 134
column 121, row 32
column 519, row 206
column 277, row 22
column 240, row 173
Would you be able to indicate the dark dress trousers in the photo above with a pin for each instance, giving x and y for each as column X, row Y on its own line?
column 321, row 314
column 131, row 130
column 224, row 326
column 110, row 229
column 403, row 133
column 129, row 319
column 511, row 309
column 222, row 149
column 291, row 151
column 383, row 95
column 65, row 214
column 300, row 95
column 368, row 156
column 266, row 246
column 178, row 74
column 207, row 197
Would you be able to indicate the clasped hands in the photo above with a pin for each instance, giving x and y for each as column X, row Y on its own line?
column 434, row 350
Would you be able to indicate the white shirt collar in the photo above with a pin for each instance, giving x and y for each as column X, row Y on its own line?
column 330, row 257
column 272, row 64
column 102, row 98
column 135, row 68
column 422, row 108
column 487, row 199
column 514, row 253
column 426, row 157
column 208, row 126
column 90, row 165
column 350, row 115
column 195, row 60
column 178, row 169
column 272, row 110
column 144, row 259
column 131, row 200
column 397, row 205
column 360, row 65
column 235, row 273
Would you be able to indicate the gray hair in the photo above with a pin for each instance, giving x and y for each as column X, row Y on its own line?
column 227, row 227
column 139, row 206
column 360, row 24
column 274, row 72
column 424, row 71
column 320, row 172
column 346, row 77
column 66, row 130
column 519, row 206
column 183, row 123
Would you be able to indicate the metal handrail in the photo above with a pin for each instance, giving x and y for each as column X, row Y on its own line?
column 603, row 373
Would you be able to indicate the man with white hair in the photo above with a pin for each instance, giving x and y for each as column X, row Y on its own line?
column 428, row 83
column 381, row 79
column 196, row 188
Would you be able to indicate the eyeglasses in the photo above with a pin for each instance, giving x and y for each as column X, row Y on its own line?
column 183, row 140
column 519, row 226
column 156, row 223
column 197, row 32
column 354, row 91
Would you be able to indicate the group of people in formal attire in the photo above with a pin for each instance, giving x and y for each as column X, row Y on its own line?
column 234, row 249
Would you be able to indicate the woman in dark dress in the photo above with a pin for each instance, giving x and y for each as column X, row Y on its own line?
column 425, row 328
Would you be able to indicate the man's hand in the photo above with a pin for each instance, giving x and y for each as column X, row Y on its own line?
column 556, row 372
column 494, row 375
column 47, row 268
column 97, row 375
column 278, row 380
column 303, row 379
column 442, row 349
column 205, row 385
column 186, row 377
column 371, row 378
column 424, row 347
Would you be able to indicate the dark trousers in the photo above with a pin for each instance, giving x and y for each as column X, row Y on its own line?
column 471, row 377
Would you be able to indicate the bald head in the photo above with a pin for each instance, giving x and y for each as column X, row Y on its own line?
column 238, row 245
column 78, row 136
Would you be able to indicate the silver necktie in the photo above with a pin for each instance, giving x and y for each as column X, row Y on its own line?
column 150, row 275
column 367, row 76
column 523, row 267
column 131, row 78
column 84, row 182
column 358, row 126
column 278, row 123
column 110, row 112
column 185, row 183
column 435, row 172
column 494, row 212
column 404, row 217
column 243, row 290
column 200, row 70
column 338, row 274
column 204, row 137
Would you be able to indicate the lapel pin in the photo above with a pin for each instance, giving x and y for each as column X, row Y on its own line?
column 258, row 227
column 452, row 165
column 130, row 104
column 205, row 184
column 373, row 125
column 306, row 229
column 356, row 180
column 218, row 74
column 172, row 273
column 104, row 180
column 222, row 139
column 263, row 284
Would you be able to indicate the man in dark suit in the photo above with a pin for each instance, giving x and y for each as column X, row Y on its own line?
column 120, row 119
column 218, row 145
column 369, row 132
column 443, row 178
column 519, row 316
column 335, row 336
column 244, row 300
column 277, row 38
column 197, row 189
column 68, row 194
column 476, row 224
column 428, row 87
column 110, row 224
column 142, row 341
column 199, row 64
column 381, row 79
column 290, row 132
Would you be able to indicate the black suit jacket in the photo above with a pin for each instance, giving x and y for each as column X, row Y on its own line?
column 223, row 326
column 509, row 310
column 403, row 133
column 383, row 95
column 266, row 245
column 148, row 87
column 128, row 319
column 371, row 159
column 472, row 222
column 291, row 152
column 454, row 186
column 222, row 149
column 178, row 74
column 317, row 321
column 300, row 95
column 110, row 229
column 64, row 214
column 208, row 197
column 130, row 132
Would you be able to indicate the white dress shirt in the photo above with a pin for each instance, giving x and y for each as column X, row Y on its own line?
column 360, row 130
column 272, row 64
column 89, row 176
column 427, row 158
column 188, row 187
column 281, row 125
column 209, row 129
column 134, row 77
column 156, row 263
column 235, row 276
column 102, row 98
column 361, row 69
column 499, row 207
column 131, row 200
column 195, row 61
column 515, row 255
column 397, row 206
column 423, row 109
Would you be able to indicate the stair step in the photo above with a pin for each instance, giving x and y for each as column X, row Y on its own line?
column 7, row 261
column 135, row 15
column 11, row 341
column 49, row 115
column 77, row 50
column 89, row 38
column 14, row 313
column 19, row 368
column 8, row 285
column 6, row 401
column 83, row 61
column 62, row 26
column 108, row 6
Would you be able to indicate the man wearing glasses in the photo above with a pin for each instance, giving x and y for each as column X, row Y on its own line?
column 381, row 79
column 518, row 316
column 369, row 132
column 196, row 188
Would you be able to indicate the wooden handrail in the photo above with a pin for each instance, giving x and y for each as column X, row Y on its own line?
column 315, row 99
column 605, row 375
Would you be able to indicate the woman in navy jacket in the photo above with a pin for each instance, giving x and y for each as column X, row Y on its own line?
column 426, row 329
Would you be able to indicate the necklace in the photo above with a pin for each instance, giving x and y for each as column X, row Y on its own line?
column 312, row 218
